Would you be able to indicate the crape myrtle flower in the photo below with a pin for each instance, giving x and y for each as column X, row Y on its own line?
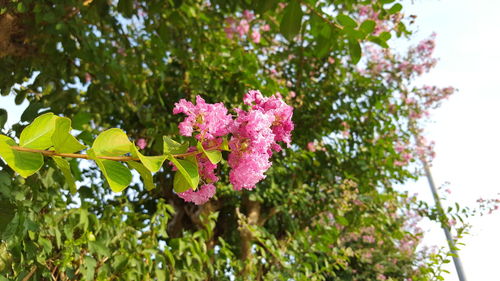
column 255, row 136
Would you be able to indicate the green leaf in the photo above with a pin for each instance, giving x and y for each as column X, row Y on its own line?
column 346, row 21
column 117, row 175
column 8, row 211
column 377, row 41
column 81, row 119
column 31, row 111
column 214, row 156
column 395, row 8
column 152, row 163
column 62, row 139
column 342, row 220
column 368, row 26
column 112, row 142
column 172, row 147
column 225, row 145
column 180, row 183
column 63, row 164
column 354, row 50
column 3, row 117
column 24, row 163
column 385, row 36
column 99, row 248
column 146, row 175
column 38, row 135
column 291, row 21
column 189, row 171
column 261, row 6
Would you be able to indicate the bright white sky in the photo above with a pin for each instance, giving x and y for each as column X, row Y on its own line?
column 465, row 128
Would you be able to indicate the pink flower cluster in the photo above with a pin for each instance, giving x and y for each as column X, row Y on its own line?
column 241, row 27
column 207, row 120
column 255, row 136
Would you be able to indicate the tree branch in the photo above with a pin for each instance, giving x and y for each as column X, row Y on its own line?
column 114, row 158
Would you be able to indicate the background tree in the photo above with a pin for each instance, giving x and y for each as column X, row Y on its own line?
column 327, row 209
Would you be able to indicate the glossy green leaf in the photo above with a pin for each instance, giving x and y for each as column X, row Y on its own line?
column 147, row 177
column 3, row 117
column 214, row 156
column 172, row 147
column 117, row 175
column 38, row 135
column 63, row 164
column 395, row 8
column 180, row 183
column 378, row 41
column 291, row 21
column 354, row 50
column 225, row 145
column 62, row 139
column 152, row 163
column 189, row 171
column 112, row 142
column 385, row 36
column 346, row 21
column 24, row 163
column 368, row 26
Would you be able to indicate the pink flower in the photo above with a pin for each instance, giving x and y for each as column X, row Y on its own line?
column 282, row 5
column 265, row 27
column 199, row 197
column 311, row 147
column 255, row 136
column 282, row 125
column 229, row 30
column 292, row 94
column 243, row 27
column 368, row 239
column 255, row 36
column 331, row 60
column 209, row 120
column 206, row 169
column 248, row 15
column 141, row 143
column 250, row 148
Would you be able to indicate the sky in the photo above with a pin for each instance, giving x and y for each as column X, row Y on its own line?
column 465, row 128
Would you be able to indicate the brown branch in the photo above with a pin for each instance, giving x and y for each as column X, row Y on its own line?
column 253, row 209
column 27, row 277
column 114, row 158
column 321, row 16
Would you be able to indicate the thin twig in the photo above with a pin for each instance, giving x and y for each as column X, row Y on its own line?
column 114, row 158
column 321, row 16
column 27, row 277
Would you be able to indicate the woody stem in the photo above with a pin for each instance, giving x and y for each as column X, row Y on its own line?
column 114, row 158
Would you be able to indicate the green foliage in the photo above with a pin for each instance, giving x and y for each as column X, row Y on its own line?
column 3, row 117
column 38, row 135
column 62, row 140
column 186, row 176
column 117, row 175
column 215, row 156
column 112, row 142
column 24, row 163
column 292, row 20
column 123, row 64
